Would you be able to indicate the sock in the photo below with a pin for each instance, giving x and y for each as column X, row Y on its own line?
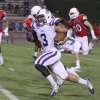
column 78, row 63
column 59, row 80
column 51, row 80
column 35, row 53
column 82, row 81
column 1, row 59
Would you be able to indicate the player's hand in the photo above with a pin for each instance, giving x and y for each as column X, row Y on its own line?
column 29, row 35
column 94, row 37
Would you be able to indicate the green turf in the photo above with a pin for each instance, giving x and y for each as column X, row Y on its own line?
column 26, row 83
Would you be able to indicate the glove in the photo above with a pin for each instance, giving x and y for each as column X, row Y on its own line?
column 6, row 31
column 29, row 35
column 94, row 37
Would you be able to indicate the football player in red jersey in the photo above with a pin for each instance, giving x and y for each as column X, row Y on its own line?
column 79, row 25
column 3, row 18
column 30, row 34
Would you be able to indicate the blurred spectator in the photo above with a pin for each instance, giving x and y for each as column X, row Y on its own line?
column 16, row 9
column 2, row 0
column 26, row 1
column 10, row 8
column 26, row 9
column 20, row 10
column 4, row 7
column 97, row 31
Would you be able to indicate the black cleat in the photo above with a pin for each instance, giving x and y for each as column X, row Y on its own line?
column 34, row 57
column 90, row 87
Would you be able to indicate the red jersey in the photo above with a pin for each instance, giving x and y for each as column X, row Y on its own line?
column 2, row 16
column 27, row 23
column 78, row 25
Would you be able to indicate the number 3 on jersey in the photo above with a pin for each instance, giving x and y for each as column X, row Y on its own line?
column 43, row 36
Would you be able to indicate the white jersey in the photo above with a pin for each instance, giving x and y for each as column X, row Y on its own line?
column 46, row 35
column 70, row 41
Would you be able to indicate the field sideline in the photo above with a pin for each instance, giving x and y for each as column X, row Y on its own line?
column 21, row 81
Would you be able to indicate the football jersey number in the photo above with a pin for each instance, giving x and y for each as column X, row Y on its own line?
column 78, row 28
column 43, row 36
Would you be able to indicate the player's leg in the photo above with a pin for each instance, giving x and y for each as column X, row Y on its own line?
column 52, row 61
column 1, row 57
column 71, row 71
column 59, row 80
column 44, row 71
column 86, row 82
column 59, row 69
column 77, row 46
column 85, row 47
column 37, row 48
column 70, row 48
column 90, row 46
column 35, row 52
column 45, row 60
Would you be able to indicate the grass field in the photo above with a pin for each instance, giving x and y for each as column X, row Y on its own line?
column 19, row 77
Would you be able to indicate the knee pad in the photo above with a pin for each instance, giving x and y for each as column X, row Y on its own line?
column 43, row 70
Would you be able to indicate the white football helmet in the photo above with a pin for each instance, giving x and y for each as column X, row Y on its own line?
column 73, row 13
column 47, row 14
column 35, row 10
column 44, row 16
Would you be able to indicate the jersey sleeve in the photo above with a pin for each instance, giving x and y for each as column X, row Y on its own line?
column 54, row 21
column 83, row 17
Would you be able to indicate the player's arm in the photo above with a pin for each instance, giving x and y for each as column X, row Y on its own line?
column 88, row 24
column 30, row 37
column 60, row 28
column 69, row 34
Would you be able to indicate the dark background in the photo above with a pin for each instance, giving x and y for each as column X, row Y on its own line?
column 89, row 7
